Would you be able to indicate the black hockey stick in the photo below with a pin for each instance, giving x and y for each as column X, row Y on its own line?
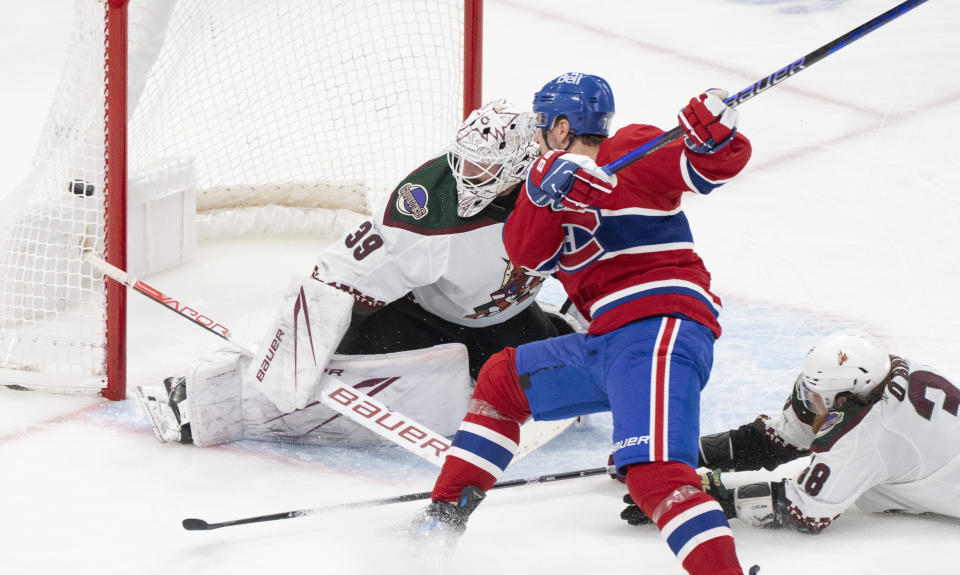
column 770, row 81
column 201, row 525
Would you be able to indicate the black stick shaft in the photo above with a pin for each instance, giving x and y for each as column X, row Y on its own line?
column 554, row 477
column 770, row 81
column 201, row 525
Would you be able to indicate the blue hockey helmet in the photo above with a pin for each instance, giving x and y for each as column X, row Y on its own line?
column 585, row 100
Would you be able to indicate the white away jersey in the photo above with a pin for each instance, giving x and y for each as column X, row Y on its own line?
column 453, row 267
column 900, row 453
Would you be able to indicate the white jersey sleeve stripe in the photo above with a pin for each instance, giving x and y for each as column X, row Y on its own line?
column 491, row 435
column 635, row 289
column 474, row 459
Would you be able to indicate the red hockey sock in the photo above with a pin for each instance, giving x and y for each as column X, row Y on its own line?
column 692, row 523
column 490, row 432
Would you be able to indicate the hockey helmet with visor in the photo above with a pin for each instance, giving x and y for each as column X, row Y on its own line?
column 847, row 361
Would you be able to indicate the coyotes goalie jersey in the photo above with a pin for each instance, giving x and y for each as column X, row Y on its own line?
column 455, row 268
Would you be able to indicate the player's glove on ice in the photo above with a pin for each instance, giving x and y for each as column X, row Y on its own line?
column 567, row 181
column 709, row 123
column 632, row 514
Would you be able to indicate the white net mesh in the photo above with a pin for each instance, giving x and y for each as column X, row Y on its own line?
column 281, row 91
column 51, row 307
column 269, row 102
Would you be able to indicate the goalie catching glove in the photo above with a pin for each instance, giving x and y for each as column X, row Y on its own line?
column 567, row 181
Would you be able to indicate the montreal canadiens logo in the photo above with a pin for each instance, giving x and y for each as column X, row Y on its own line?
column 412, row 201
column 580, row 245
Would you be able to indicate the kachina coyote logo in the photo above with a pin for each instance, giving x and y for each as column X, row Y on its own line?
column 516, row 287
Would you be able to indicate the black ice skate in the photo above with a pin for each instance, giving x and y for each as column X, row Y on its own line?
column 446, row 521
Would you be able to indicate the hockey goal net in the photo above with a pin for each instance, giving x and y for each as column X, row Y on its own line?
column 237, row 106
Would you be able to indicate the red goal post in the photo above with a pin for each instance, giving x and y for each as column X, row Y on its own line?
column 216, row 105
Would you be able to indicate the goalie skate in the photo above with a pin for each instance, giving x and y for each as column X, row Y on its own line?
column 165, row 409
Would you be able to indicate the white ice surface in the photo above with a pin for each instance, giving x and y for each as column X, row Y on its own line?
column 846, row 216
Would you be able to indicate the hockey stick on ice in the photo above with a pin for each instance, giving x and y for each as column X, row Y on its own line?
column 344, row 399
column 193, row 524
column 770, row 81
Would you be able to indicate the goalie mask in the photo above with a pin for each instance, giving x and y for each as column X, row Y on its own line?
column 493, row 152
column 847, row 361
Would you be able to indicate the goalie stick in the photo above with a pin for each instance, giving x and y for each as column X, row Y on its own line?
column 156, row 295
column 770, row 81
column 194, row 524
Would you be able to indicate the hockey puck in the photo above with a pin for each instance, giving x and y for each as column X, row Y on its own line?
column 81, row 188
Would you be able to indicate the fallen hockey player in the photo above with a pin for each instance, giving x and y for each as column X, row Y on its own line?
column 881, row 431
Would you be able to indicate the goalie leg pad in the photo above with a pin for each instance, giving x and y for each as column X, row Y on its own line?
column 214, row 398
column 312, row 320
column 430, row 386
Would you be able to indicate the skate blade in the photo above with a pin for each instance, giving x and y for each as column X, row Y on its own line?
column 150, row 400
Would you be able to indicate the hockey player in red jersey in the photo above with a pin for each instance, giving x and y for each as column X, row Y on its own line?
column 623, row 250
column 881, row 430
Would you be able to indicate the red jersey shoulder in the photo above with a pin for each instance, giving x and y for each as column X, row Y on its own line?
column 626, row 139
column 654, row 181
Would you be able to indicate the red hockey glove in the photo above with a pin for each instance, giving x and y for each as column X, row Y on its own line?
column 710, row 124
column 565, row 180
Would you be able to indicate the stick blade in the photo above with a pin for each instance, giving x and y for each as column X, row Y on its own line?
column 195, row 525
